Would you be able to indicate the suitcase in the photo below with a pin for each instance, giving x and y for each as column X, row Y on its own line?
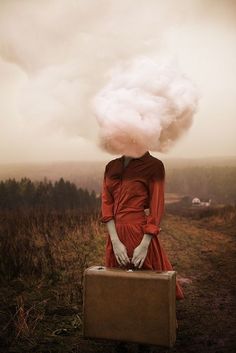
column 130, row 305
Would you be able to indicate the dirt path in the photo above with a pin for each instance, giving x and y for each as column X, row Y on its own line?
column 207, row 259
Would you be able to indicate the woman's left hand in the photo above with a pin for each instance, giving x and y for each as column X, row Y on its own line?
column 139, row 255
column 140, row 252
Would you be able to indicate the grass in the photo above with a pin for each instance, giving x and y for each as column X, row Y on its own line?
column 43, row 256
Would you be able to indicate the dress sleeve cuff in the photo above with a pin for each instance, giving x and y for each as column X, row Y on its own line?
column 105, row 219
column 150, row 228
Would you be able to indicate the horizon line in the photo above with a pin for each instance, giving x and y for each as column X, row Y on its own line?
column 104, row 160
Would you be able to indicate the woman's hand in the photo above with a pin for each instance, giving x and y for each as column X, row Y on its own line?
column 140, row 252
column 118, row 247
column 120, row 252
column 139, row 255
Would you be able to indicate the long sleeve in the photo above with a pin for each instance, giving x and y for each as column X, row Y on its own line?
column 107, row 202
column 156, row 202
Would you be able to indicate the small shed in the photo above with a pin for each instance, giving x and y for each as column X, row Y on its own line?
column 196, row 201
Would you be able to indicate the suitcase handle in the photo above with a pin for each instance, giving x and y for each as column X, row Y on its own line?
column 123, row 267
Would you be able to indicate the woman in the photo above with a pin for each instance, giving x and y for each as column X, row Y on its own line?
column 132, row 207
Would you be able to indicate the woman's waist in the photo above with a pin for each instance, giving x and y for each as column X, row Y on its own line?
column 130, row 216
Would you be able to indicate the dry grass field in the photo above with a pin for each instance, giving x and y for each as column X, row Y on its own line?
column 43, row 256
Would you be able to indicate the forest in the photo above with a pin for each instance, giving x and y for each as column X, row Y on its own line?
column 61, row 195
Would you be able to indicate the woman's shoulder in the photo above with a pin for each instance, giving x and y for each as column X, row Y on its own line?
column 156, row 161
column 157, row 166
column 112, row 163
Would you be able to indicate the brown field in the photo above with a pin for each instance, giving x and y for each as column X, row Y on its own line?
column 172, row 197
column 43, row 257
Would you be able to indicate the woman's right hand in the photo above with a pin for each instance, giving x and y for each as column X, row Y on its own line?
column 120, row 252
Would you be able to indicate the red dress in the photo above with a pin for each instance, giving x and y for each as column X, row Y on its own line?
column 126, row 193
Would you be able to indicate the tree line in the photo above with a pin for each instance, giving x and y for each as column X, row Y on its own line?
column 214, row 182
column 60, row 195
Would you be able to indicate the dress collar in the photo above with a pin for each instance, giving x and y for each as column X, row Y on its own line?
column 143, row 157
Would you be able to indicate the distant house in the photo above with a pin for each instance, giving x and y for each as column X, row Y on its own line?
column 197, row 202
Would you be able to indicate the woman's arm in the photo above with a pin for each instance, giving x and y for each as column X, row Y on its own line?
column 156, row 201
column 106, row 212
column 153, row 220
column 107, row 217
column 112, row 231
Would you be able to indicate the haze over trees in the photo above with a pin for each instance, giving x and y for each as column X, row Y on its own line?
column 77, row 185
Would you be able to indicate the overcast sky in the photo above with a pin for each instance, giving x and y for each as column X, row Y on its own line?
column 55, row 56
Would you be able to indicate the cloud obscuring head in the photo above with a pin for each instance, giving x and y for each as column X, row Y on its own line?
column 147, row 105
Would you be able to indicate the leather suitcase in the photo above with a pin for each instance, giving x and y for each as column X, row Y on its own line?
column 130, row 305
